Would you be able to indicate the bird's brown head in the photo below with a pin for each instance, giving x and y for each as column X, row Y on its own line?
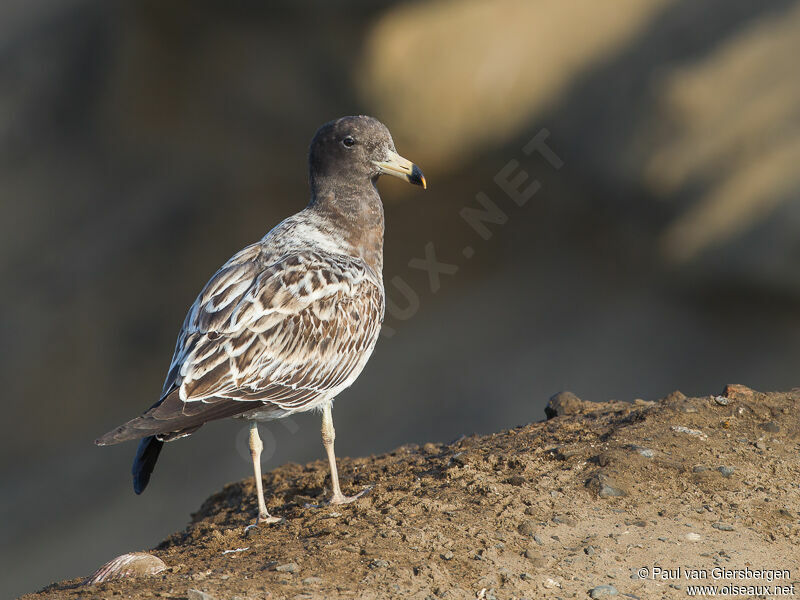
column 357, row 149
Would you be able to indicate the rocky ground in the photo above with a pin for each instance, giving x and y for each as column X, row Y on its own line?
column 589, row 503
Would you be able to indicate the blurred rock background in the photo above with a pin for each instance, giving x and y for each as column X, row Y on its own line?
column 143, row 142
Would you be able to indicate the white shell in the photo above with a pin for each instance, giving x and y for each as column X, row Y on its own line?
column 133, row 564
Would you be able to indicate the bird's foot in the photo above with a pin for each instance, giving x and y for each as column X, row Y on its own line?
column 263, row 519
column 342, row 499
column 268, row 520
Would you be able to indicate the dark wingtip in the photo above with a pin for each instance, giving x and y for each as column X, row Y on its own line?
column 115, row 436
column 106, row 440
column 144, row 462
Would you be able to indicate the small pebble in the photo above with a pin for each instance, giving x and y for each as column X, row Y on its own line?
column 675, row 396
column 550, row 583
column 198, row 595
column 537, row 560
column 291, row 567
column 312, row 581
column 378, row 564
column 607, row 491
column 699, row 469
column 563, row 403
column 565, row 453
column 738, row 391
column 605, row 486
column 589, row 550
column 693, row 537
column 726, row 471
column 682, row 429
column 723, row 526
column 527, row 528
column 538, row 539
column 602, row 591
column 448, row 555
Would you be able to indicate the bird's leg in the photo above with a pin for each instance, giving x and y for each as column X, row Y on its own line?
column 256, row 446
column 328, row 436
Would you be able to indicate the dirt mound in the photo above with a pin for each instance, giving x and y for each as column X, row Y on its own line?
column 589, row 503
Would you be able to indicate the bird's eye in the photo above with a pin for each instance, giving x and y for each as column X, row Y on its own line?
column 348, row 141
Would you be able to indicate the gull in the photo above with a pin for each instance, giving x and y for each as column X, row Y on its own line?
column 290, row 321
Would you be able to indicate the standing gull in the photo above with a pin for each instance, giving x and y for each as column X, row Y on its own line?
column 290, row 321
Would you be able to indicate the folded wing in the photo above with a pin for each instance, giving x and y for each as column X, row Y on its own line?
column 283, row 332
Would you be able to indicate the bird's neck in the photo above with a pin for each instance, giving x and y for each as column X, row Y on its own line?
column 354, row 211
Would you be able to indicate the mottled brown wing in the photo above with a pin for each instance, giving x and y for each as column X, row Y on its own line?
column 285, row 333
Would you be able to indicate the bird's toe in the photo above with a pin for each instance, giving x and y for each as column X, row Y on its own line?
column 342, row 499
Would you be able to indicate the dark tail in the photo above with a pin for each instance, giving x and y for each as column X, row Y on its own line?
column 145, row 462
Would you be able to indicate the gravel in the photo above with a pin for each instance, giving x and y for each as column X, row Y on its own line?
column 563, row 403
column 291, row 567
column 527, row 528
column 605, row 486
column 601, row 591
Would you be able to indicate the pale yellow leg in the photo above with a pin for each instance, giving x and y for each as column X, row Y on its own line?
column 256, row 446
column 328, row 436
